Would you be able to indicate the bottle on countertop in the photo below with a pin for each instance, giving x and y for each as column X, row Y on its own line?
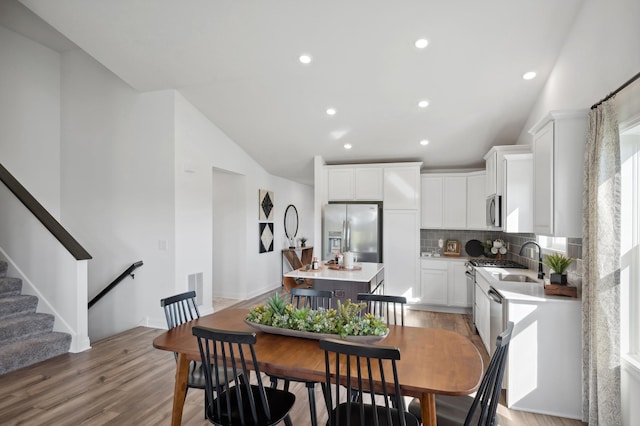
column 314, row 263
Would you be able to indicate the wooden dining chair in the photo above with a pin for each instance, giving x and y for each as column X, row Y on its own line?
column 178, row 310
column 481, row 410
column 385, row 306
column 313, row 299
column 230, row 400
column 366, row 370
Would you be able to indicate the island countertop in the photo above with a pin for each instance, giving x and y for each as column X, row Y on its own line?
column 366, row 274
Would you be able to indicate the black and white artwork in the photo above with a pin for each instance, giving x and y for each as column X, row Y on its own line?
column 266, row 237
column 266, row 205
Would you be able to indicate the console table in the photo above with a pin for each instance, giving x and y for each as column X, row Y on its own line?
column 295, row 262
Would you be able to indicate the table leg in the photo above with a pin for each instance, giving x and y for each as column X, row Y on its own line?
column 180, row 387
column 428, row 409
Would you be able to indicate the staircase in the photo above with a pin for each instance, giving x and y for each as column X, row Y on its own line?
column 26, row 337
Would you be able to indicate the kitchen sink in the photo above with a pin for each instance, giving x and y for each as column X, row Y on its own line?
column 515, row 277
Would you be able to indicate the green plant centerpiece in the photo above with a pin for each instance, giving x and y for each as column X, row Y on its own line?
column 346, row 320
column 558, row 263
column 303, row 241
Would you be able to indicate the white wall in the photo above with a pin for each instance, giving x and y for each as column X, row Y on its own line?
column 30, row 116
column 118, row 190
column 204, row 147
column 602, row 51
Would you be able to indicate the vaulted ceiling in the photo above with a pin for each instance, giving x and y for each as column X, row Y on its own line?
column 238, row 63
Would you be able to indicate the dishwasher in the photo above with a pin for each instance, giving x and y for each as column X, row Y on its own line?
column 496, row 322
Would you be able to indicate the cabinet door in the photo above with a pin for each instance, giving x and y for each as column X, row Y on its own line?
column 434, row 284
column 543, row 180
column 459, row 293
column 491, row 184
column 401, row 253
column 368, row 183
column 431, row 201
column 516, row 202
column 340, row 184
column 402, row 188
column 455, row 202
column 476, row 200
column 483, row 311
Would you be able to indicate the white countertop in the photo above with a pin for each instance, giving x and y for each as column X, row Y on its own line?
column 521, row 291
column 366, row 274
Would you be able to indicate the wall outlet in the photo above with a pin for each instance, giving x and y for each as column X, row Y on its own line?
column 338, row 293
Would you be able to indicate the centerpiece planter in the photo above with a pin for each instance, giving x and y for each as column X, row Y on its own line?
column 347, row 321
column 558, row 264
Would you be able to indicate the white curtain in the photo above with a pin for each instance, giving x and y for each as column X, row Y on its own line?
column 601, row 276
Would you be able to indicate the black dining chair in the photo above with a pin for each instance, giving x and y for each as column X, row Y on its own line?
column 367, row 370
column 230, row 400
column 480, row 410
column 313, row 299
column 178, row 310
column 385, row 306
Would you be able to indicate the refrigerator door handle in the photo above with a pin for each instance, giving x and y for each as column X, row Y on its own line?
column 348, row 241
column 343, row 243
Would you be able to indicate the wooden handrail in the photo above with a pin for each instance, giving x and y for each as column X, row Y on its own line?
column 49, row 222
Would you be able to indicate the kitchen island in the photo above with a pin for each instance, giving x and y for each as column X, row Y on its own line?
column 345, row 284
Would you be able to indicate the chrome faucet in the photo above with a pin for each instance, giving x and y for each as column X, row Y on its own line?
column 540, row 271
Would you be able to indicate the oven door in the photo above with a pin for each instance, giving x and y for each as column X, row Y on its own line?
column 493, row 211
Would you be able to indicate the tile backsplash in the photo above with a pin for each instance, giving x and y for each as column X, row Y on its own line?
column 429, row 243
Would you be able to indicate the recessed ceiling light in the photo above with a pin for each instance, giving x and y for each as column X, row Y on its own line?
column 331, row 111
column 305, row 59
column 424, row 142
column 421, row 43
column 529, row 75
column 423, row 104
column 347, row 146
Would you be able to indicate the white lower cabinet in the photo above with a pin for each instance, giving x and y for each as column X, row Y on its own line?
column 444, row 283
column 401, row 248
column 434, row 279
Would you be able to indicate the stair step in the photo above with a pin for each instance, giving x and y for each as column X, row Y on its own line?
column 21, row 327
column 17, row 305
column 10, row 286
column 33, row 350
column 3, row 268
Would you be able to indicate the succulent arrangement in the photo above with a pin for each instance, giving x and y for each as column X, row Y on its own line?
column 345, row 320
column 303, row 241
column 557, row 262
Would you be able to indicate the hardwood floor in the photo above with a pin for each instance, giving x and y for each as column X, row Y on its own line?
column 123, row 380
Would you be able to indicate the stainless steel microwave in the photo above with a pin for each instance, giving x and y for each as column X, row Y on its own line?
column 494, row 210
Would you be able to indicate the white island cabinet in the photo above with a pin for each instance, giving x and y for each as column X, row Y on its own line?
column 544, row 364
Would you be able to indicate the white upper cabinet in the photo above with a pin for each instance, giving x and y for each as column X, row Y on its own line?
column 517, row 201
column 455, row 202
column 432, row 201
column 491, row 168
column 354, row 183
column 494, row 161
column 559, row 140
column 402, row 187
column 476, row 200
column 368, row 184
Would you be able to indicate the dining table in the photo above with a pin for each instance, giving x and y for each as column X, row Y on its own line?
column 433, row 361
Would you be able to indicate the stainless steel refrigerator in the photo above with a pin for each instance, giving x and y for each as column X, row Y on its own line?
column 352, row 227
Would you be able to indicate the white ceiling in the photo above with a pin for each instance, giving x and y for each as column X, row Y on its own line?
column 237, row 61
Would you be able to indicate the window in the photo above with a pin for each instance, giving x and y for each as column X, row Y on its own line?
column 630, row 241
column 558, row 244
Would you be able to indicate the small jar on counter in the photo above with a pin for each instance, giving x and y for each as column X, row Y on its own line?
column 314, row 263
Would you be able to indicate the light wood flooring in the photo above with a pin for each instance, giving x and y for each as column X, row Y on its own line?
column 123, row 380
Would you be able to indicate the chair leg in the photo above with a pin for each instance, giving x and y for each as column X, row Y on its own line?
column 312, row 402
column 286, row 385
column 274, row 383
column 287, row 421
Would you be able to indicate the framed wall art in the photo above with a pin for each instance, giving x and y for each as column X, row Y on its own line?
column 266, row 237
column 265, row 205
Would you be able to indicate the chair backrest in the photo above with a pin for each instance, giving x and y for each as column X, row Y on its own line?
column 385, row 306
column 364, row 370
column 308, row 297
column 225, row 356
column 180, row 308
column 488, row 394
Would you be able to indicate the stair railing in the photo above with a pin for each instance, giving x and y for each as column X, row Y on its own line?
column 39, row 212
column 114, row 283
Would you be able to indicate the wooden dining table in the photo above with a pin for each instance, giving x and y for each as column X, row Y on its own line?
column 433, row 361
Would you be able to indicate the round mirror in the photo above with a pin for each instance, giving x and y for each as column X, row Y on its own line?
column 291, row 221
